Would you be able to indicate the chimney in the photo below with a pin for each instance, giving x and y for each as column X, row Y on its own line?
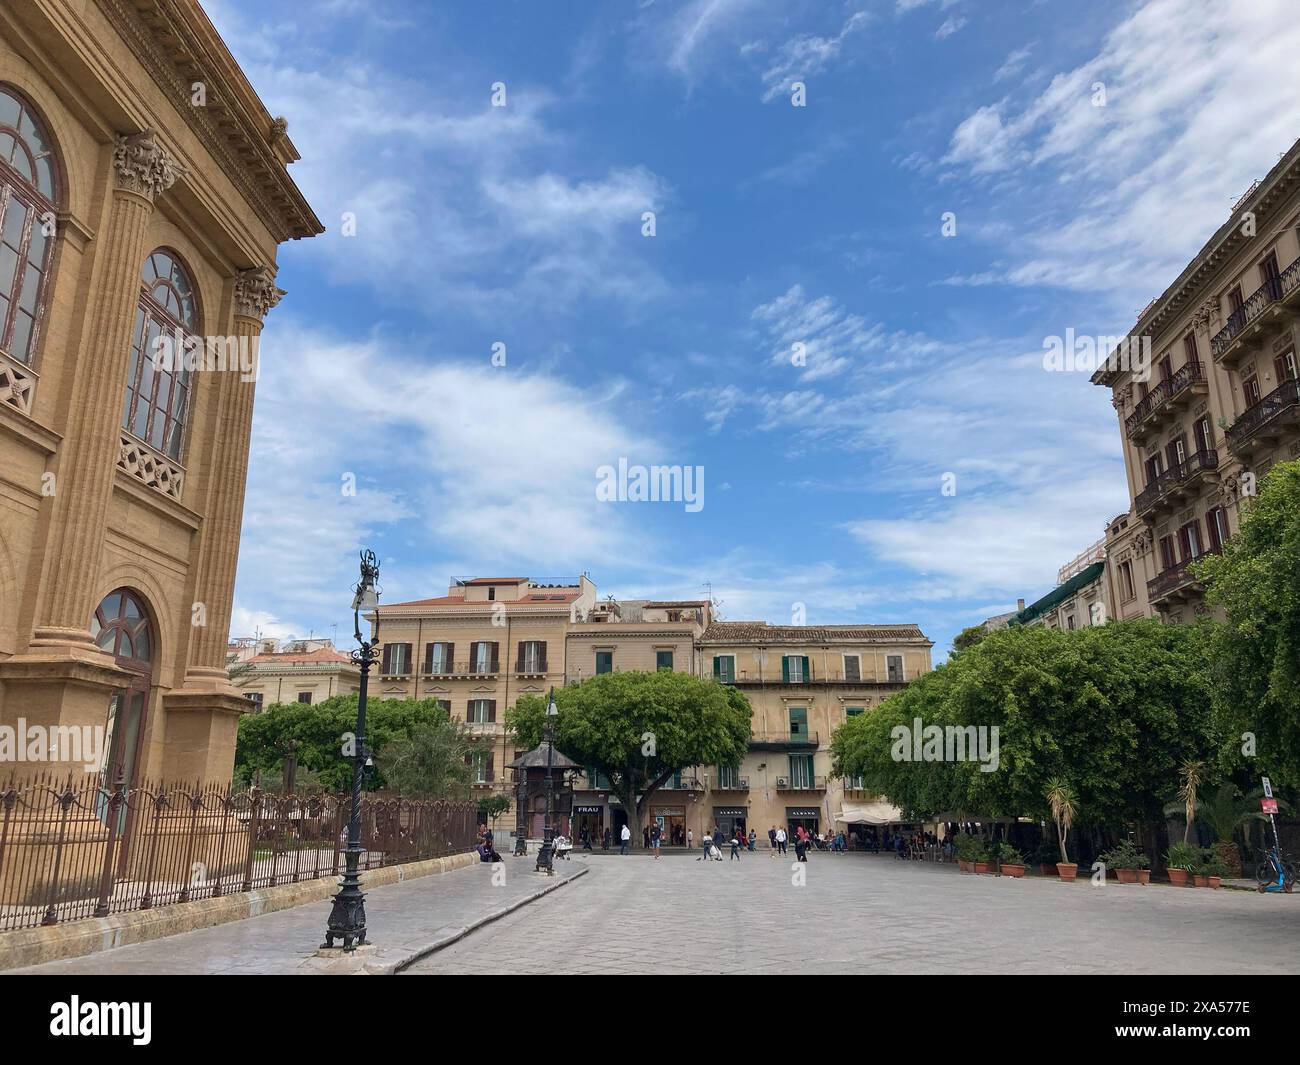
column 1020, row 605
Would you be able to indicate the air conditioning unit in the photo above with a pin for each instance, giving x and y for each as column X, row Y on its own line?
column 782, row 782
column 744, row 784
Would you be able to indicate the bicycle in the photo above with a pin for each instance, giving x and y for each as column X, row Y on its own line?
column 1273, row 871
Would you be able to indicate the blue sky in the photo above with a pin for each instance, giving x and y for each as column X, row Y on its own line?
column 774, row 225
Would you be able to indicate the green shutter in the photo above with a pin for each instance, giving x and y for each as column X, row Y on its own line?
column 806, row 675
column 717, row 665
column 785, row 669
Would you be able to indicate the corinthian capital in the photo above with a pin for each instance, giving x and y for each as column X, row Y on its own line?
column 255, row 292
column 141, row 165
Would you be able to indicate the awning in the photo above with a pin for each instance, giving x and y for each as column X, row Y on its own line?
column 869, row 813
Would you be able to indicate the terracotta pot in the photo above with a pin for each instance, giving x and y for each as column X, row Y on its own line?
column 1016, row 871
column 1046, row 870
column 1178, row 877
column 1144, row 876
column 983, row 867
column 1200, row 880
column 1067, row 870
column 1215, row 881
column 964, row 865
column 1126, row 876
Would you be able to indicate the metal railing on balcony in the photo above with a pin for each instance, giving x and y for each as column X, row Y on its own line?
column 1174, row 478
column 795, row 784
column 1175, row 578
column 783, row 738
column 1180, row 382
column 814, row 677
column 457, row 669
column 1270, row 292
column 735, row 784
column 1256, row 418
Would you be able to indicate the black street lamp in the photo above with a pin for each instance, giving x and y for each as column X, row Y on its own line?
column 545, row 856
column 348, row 917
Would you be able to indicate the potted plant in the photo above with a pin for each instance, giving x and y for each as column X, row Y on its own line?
column 1214, row 867
column 1126, row 860
column 1064, row 805
column 1180, row 861
column 969, row 850
column 1010, row 860
column 1045, row 857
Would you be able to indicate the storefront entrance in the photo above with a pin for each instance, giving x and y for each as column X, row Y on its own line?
column 617, row 819
column 731, row 819
column 672, row 825
column 808, row 816
column 591, row 820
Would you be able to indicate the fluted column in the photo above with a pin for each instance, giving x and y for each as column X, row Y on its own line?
column 255, row 295
column 142, row 171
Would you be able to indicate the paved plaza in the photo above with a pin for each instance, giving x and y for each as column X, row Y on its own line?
column 872, row 914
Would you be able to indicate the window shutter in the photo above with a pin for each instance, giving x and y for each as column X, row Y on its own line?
column 717, row 665
column 450, row 665
column 385, row 666
column 785, row 669
column 469, row 711
column 519, row 665
column 807, row 676
column 491, row 776
column 542, row 659
column 408, row 660
column 492, row 709
column 428, row 657
column 446, row 705
column 495, row 665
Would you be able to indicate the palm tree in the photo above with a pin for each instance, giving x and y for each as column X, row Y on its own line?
column 1064, row 805
column 1191, row 775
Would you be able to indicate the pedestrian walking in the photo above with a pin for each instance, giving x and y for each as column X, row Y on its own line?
column 656, row 835
column 752, row 837
column 771, row 838
column 690, row 839
column 735, row 847
column 781, row 840
column 626, row 837
column 604, row 840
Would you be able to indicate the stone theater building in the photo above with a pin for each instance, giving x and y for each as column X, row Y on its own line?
column 1221, row 405
column 491, row 639
column 144, row 189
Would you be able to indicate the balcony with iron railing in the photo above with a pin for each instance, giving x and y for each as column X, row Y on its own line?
column 1175, row 584
column 774, row 678
column 1164, row 400
column 451, row 670
column 807, row 784
column 1267, row 421
column 1257, row 318
column 1175, row 483
column 784, row 740
column 736, row 784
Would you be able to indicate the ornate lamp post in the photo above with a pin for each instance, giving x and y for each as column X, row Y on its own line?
column 545, row 856
column 348, row 917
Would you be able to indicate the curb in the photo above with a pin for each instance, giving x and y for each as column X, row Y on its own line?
column 77, row 939
column 458, row 934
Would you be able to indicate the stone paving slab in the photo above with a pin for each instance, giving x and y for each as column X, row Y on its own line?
column 406, row 921
column 873, row 914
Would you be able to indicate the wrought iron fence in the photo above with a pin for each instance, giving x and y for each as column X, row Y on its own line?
column 74, row 848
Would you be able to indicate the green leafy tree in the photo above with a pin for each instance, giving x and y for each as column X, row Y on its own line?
column 432, row 761
column 319, row 730
column 490, row 807
column 1116, row 709
column 639, row 729
column 1256, row 583
column 968, row 637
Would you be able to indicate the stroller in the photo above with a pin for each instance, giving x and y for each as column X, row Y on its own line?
column 563, row 847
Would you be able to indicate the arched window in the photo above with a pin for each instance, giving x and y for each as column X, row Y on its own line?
column 158, row 386
column 27, row 218
column 121, row 627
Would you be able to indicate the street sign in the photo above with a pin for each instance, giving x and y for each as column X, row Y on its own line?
column 1268, row 787
column 1269, row 806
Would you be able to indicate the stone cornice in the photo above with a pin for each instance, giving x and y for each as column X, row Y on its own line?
column 178, row 46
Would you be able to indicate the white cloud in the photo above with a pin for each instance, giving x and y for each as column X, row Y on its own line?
column 949, row 27
column 803, row 56
column 500, row 464
column 1122, row 195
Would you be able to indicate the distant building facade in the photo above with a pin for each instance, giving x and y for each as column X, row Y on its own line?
column 300, row 671
column 1221, row 406
column 492, row 639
